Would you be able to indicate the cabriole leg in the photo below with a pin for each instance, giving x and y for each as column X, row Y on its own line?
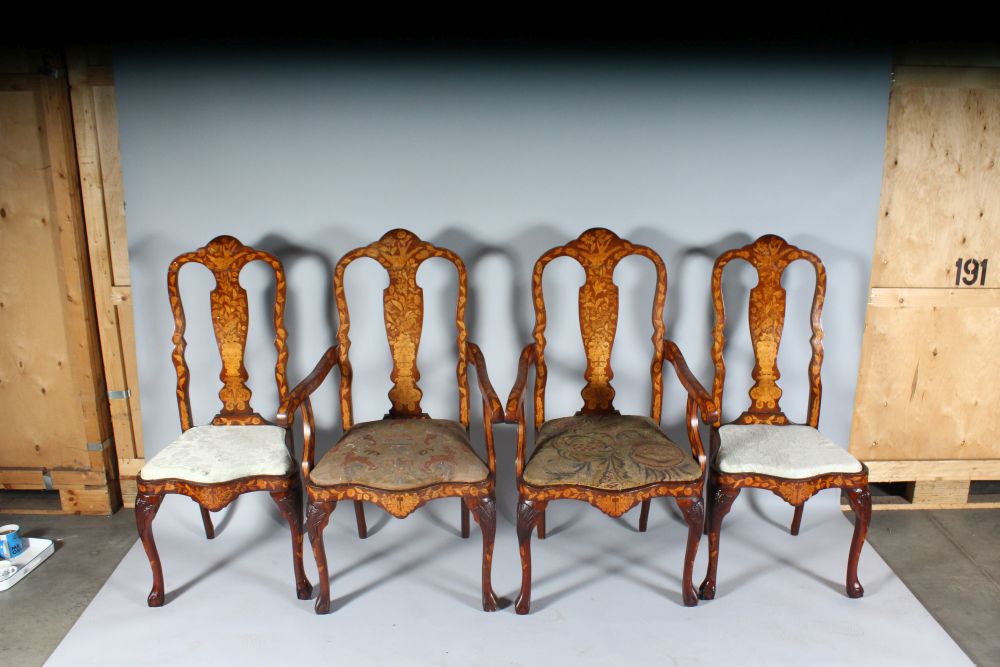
column 289, row 503
column 722, row 501
column 146, row 506
column 861, row 502
column 485, row 511
column 694, row 513
column 528, row 512
column 317, row 516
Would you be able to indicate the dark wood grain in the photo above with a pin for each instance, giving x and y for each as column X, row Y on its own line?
column 401, row 254
column 225, row 257
column 599, row 251
column 770, row 255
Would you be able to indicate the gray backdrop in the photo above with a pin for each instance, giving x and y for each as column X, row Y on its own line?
column 309, row 157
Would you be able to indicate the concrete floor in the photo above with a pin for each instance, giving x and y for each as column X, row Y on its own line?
column 949, row 559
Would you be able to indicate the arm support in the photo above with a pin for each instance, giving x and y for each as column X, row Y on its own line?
column 302, row 391
column 516, row 398
column 495, row 413
column 696, row 392
column 299, row 397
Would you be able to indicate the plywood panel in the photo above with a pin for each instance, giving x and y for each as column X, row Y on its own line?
column 928, row 384
column 73, row 268
column 39, row 400
column 927, row 391
column 941, row 184
column 96, row 132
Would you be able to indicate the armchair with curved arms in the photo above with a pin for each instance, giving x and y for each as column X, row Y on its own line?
column 609, row 460
column 406, row 459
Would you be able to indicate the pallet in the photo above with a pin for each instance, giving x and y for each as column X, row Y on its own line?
column 80, row 492
column 933, row 485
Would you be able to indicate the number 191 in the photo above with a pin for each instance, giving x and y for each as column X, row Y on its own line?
column 970, row 271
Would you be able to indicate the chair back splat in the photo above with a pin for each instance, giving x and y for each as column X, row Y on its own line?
column 225, row 257
column 401, row 253
column 598, row 251
column 770, row 255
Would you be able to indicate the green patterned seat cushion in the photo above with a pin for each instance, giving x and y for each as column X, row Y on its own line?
column 399, row 454
column 612, row 452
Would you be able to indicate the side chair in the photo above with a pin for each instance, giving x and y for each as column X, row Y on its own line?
column 239, row 451
column 761, row 448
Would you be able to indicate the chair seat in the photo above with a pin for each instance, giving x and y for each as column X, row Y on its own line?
column 612, row 452
column 792, row 452
column 213, row 454
column 400, row 454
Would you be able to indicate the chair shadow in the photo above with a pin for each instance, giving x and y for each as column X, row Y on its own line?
column 251, row 543
column 566, row 524
column 431, row 514
column 618, row 561
column 753, row 502
column 381, row 522
column 403, row 568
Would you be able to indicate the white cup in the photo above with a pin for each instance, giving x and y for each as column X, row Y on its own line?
column 7, row 569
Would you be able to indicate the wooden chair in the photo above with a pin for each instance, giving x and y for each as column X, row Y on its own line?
column 761, row 448
column 239, row 451
column 407, row 458
column 600, row 456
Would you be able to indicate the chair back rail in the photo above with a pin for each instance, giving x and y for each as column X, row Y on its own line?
column 225, row 257
column 770, row 255
column 401, row 254
column 598, row 251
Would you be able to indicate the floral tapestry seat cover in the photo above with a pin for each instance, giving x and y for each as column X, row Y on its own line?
column 399, row 454
column 611, row 452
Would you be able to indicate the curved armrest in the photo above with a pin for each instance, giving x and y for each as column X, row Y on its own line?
column 489, row 393
column 516, row 397
column 302, row 391
column 706, row 406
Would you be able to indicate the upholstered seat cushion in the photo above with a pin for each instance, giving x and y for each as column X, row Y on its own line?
column 613, row 452
column 211, row 454
column 399, row 454
column 793, row 451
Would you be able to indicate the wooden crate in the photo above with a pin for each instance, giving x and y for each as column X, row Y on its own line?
column 927, row 392
column 95, row 126
column 57, row 300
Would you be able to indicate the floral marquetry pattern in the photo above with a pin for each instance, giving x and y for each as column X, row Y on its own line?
column 792, row 449
column 215, row 497
column 598, row 251
column 794, row 491
column 225, row 257
column 400, row 504
column 401, row 253
column 611, row 461
column 408, row 458
column 770, row 255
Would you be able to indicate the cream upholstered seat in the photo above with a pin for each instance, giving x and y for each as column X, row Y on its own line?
column 793, row 451
column 612, row 452
column 212, row 454
column 400, row 454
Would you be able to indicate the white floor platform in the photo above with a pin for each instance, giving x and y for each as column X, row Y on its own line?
column 604, row 594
